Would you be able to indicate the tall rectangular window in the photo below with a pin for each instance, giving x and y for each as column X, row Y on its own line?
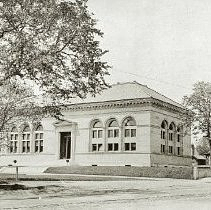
column 178, row 151
column 178, row 137
column 127, row 146
column 162, row 148
column 94, row 134
column 127, row 132
column 133, row 132
column 116, row 146
column 97, row 147
column 133, row 146
column 116, row 133
column 170, row 149
column 100, row 133
column 130, row 146
column 110, row 147
column 24, row 146
column 110, row 133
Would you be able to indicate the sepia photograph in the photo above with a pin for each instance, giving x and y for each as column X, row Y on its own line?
column 105, row 104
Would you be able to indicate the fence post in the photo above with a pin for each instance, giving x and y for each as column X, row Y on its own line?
column 195, row 173
column 16, row 170
column 16, row 177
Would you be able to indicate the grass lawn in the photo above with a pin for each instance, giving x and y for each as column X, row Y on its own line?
column 159, row 172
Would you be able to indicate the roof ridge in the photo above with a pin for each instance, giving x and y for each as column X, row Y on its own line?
column 135, row 82
column 158, row 93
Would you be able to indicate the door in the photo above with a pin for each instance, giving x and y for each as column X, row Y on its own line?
column 65, row 145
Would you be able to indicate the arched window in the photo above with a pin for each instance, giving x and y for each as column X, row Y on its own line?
column 113, row 135
column 97, row 136
column 129, row 128
column 163, row 132
column 171, row 131
column 14, row 140
column 163, row 129
column 179, row 140
column 26, row 139
column 179, row 134
column 38, row 139
column 113, row 129
column 97, row 131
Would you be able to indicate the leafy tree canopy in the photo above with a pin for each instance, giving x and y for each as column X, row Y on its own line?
column 54, row 44
column 203, row 147
column 199, row 104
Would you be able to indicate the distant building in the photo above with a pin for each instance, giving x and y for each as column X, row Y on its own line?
column 127, row 124
column 198, row 159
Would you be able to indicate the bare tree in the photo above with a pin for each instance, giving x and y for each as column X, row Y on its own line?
column 19, row 104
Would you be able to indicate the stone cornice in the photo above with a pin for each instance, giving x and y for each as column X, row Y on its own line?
column 123, row 104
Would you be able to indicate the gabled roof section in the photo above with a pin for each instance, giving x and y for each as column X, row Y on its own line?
column 125, row 91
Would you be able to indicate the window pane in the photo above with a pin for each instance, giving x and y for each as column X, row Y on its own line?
column 16, row 146
column 100, row 133
column 97, row 124
column 16, row 136
column 127, row 132
column 170, row 149
column 116, row 147
column 11, row 146
column 41, row 147
column 110, row 147
column 100, row 147
column 24, row 136
column 14, row 129
column 164, row 135
column 26, row 129
column 11, row 137
column 129, row 122
column 94, row 134
column 133, row 146
column 127, row 146
column 94, row 147
column 162, row 148
column 37, row 136
column 116, row 133
column 113, row 124
column 36, row 146
column 39, row 128
column 110, row 133
column 133, row 132
column 178, row 137
column 23, row 146
column 28, row 146
column 41, row 135
column 178, row 150
column 28, row 136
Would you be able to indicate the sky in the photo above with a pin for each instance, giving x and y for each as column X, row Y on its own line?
column 164, row 44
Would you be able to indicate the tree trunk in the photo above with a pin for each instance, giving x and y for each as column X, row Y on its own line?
column 209, row 139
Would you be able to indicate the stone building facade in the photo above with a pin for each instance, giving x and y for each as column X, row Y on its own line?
column 127, row 124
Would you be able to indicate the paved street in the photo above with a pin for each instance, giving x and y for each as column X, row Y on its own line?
column 128, row 194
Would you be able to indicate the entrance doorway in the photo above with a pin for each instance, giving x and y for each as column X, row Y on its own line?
column 65, row 145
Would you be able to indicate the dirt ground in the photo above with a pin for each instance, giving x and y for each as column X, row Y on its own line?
column 143, row 193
